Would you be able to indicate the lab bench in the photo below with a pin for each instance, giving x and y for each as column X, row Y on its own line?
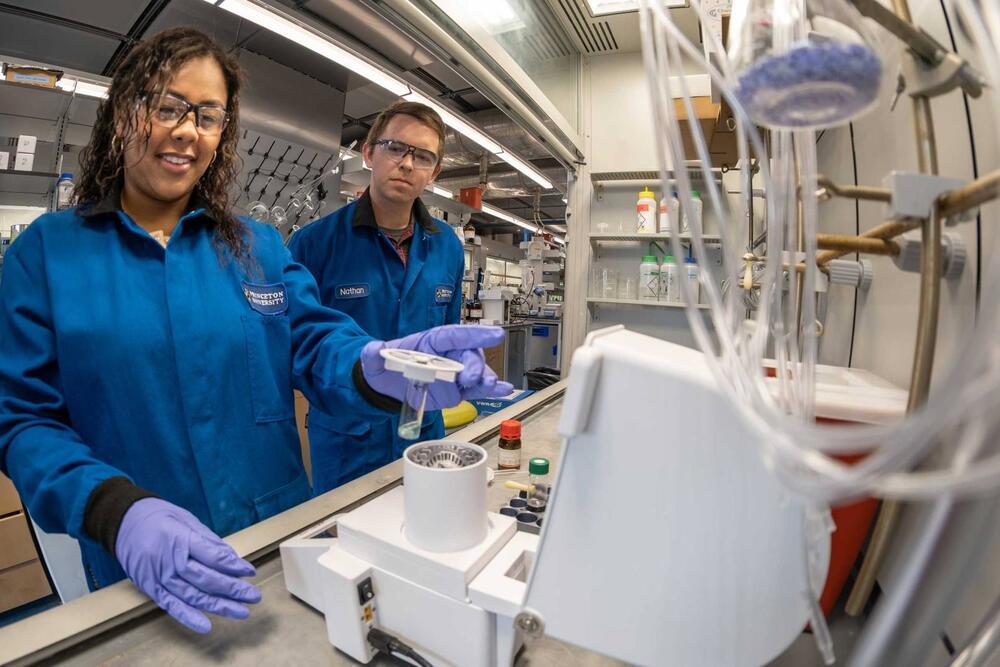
column 119, row 624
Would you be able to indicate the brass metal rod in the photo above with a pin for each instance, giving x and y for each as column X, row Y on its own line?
column 931, row 262
column 868, row 193
column 978, row 192
column 885, row 231
column 851, row 244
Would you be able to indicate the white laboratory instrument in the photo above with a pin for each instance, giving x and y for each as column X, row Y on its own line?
column 534, row 268
column 660, row 545
column 496, row 305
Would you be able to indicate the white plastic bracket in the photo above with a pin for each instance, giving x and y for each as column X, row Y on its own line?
column 913, row 195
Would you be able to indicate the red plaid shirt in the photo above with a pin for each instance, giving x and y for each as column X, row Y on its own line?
column 402, row 243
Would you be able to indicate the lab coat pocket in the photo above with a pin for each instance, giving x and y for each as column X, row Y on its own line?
column 343, row 447
column 269, row 365
column 282, row 498
column 436, row 315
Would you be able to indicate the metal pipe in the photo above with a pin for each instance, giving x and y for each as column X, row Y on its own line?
column 978, row 192
column 849, row 244
column 829, row 189
column 984, row 643
column 885, row 231
column 920, row 379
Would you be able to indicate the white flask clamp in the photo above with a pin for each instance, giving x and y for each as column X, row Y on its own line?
column 421, row 370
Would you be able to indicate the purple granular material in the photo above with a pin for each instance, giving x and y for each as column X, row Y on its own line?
column 813, row 85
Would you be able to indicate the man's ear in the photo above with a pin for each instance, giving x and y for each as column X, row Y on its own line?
column 437, row 172
column 366, row 154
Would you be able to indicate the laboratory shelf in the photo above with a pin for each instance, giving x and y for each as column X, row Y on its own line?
column 605, row 237
column 27, row 182
column 640, row 302
column 650, row 176
column 21, row 99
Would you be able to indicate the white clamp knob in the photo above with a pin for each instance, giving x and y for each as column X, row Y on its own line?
column 847, row 272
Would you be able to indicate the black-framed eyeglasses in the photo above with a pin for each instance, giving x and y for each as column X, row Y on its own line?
column 167, row 110
column 397, row 150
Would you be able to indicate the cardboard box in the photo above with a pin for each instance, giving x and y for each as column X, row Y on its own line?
column 4, row 160
column 15, row 536
column 34, row 76
column 24, row 162
column 10, row 502
column 301, row 414
column 26, row 143
column 22, row 584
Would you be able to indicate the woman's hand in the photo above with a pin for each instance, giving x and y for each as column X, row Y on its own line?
column 182, row 565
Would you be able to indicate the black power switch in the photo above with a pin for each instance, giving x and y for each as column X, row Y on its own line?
column 366, row 591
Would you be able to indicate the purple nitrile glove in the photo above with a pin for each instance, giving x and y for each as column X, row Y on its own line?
column 182, row 565
column 460, row 342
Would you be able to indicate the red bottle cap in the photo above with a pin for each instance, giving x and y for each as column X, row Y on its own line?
column 510, row 429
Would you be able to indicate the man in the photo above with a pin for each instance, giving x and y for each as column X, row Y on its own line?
column 387, row 263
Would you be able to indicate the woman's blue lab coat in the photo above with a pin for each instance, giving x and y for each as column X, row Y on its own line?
column 360, row 273
column 169, row 366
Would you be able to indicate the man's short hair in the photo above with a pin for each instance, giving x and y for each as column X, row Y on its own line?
column 421, row 112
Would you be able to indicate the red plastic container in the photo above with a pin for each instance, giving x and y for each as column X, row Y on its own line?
column 849, row 397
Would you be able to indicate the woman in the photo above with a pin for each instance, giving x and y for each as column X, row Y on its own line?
column 150, row 341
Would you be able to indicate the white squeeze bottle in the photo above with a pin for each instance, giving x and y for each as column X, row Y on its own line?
column 692, row 277
column 645, row 210
column 669, row 290
column 673, row 210
column 697, row 206
column 663, row 220
column 649, row 278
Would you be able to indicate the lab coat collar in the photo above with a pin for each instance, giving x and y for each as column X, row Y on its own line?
column 364, row 215
column 112, row 203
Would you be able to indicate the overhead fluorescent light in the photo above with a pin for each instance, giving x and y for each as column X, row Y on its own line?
column 520, row 222
column 526, row 169
column 444, row 192
column 507, row 217
column 602, row 7
column 565, row 201
column 71, row 85
column 313, row 41
column 456, row 123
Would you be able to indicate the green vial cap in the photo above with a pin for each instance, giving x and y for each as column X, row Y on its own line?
column 648, row 258
column 538, row 466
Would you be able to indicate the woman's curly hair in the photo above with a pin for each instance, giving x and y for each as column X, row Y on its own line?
column 149, row 66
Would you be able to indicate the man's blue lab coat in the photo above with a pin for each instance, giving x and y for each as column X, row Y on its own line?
column 172, row 367
column 360, row 273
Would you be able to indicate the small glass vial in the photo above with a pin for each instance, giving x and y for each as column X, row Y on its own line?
column 538, row 471
column 509, row 455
